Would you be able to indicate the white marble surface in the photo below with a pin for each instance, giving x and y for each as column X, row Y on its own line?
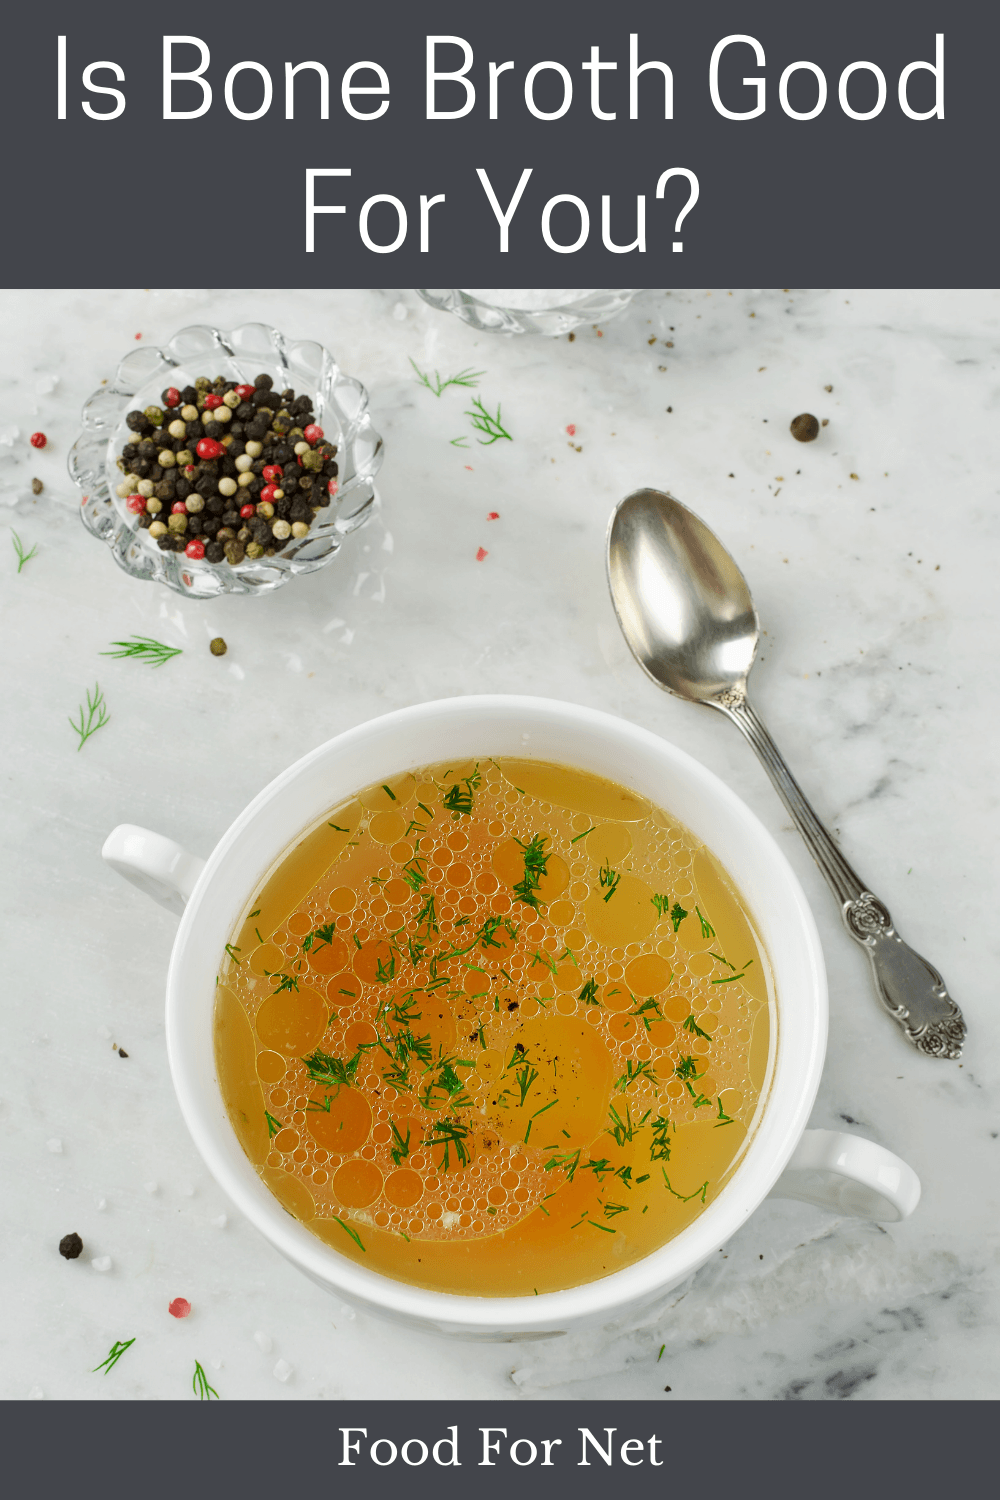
column 873, row 561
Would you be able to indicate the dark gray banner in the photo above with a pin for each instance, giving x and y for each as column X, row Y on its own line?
column 562, row 144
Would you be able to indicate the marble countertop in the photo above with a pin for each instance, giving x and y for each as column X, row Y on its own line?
column 872, row 554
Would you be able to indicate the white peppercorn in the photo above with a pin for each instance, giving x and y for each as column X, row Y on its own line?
column 178, row 521
column 177, row 428
column 244, row 462
column 232, row 400
column 157, row 529
column 190, row 414
column 166, row 459
column 145, row 488
column 265, row 508
column 246, row 477
column 302, row 447
column 185, row 456
column 227, row 486
column 282, row 530
column 195, row 504
column 154, row 506
column 221, row 414
column 254, row 448
column 299, row 528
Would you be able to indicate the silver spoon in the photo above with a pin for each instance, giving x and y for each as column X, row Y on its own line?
column 686, row 612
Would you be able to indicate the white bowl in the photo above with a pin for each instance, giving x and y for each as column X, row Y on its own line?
column 841, row 1172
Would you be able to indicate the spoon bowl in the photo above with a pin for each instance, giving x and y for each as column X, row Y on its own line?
column 682, row 603
column 686, row 612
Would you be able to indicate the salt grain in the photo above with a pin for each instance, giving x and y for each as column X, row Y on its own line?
column 263, row 1341
column 55, row 1146
column 283, row 1371
column 101, row 1263
column 102, row 1204
column 399, row 312
column 36, row 1393
column 151, row 1187
column 220, row 1222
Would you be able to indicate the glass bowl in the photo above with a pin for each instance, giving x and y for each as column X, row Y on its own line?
column 340, row 405
column 523, row 311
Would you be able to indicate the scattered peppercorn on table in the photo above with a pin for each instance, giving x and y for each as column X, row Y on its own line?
column 223, row 472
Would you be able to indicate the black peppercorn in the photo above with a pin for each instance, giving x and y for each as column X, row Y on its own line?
column 300, row 510
column 231, row 518
column 215, row 504
column 206, row 485
column 130, row 450
column 165, row 542
column 189, row 395
column 147, row 448
column 136, row 421
column 263, row 382
column 214, row 430
column 70, row 1246
column 805, row 427
column 215, row 552
column 244, row 412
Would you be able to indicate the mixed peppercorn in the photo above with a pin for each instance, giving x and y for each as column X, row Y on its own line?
column 225, row 471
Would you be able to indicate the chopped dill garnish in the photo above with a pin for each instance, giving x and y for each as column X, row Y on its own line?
column 733, row 978
column 609, row 878
column 400, row 1149
column 146, row 649
column 723, row 1119
column 459, row 802
column 285, row 982
column 468, row 378
column 233, row 952
column 722, row 959
column 633, row 1073
column 273, row 1126
column 333, row 1072
column 483, row 422
column 606, row 1227
column 698, row 1192
column 114, row 1355
column 535, row 865
column 589, row 993
column 677, row 914
column 200, row 1385
column 389, row 792
column 583, row 835
column 643, row 1007
column 611, row 1210
column 96, row 716
column 692, row 1025
column 426, row 917
column 662, row 904
column 547, row 963
column 320, row 935
column 707, row 930
column 385, row 972
column 450, row 1134
column 414, row 875
column 355, row 1236
column 338, row 827
column 567, row 1163
column 660, row 1149
column 624, row 1130
column 660, row 1355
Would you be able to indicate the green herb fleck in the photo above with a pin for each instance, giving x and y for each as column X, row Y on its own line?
column 450, row 1134
column 609, row 878
column 146, row 649
column 723, row 1119
column 96, row 716
column 200, row 1385
column 273, row 1126
column 355, row 1236
column 468, row 378
column 114, row 1355
column 692, row 1025
column 22, row 556
column 677, row 914
column 482, row 421
column 535, row 865
column 698, row 1192
column 583, row 835
column 589, row 993
column 707, row 930
column 233, row 952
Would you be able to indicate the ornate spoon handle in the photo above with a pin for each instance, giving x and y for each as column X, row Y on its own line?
column 910, row 989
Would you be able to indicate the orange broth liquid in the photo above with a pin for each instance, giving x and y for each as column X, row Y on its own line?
column 495, row 1028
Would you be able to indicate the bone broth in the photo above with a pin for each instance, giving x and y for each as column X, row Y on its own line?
column 495, row 1028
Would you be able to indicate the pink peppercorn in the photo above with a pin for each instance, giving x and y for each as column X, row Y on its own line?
column 493, row 515
column 194, row 548
column 481, row 554
column 244, row 391
column 313, row 433
column 273, row 471
column 136, row 504
column 172, row 397
column 180, row 1307
column 209, row 448
column 332, row 488
column 212, row 401
column 178, row 508
column 268, row 492
column 38, row 439
column 571, row 429
column 248, row 510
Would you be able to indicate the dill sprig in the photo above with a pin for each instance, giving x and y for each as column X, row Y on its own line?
column 22, row 556
column 400, row 1149
column 662, row 904
column 114, row 1355
column 355, row 1236
column 273, row 1125
column 450, row 1134
column 707, row 930
column 685, row 1198
column 468, row 378
column 692, row 1025
column 96, row 716
column 483, row 422
column 589, row 993
column 333, row 1072
column 321, row 934
column 609, row 878
column 660, row 1149
column 457, row 802
column 535, row 865
column 285, row 982
column 677, row 914
column 633, row 1073
column 624, row 1130
column 200, row 1385
column 145, row 649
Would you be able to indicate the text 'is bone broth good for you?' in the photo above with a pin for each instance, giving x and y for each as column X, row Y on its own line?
column 495, row 1028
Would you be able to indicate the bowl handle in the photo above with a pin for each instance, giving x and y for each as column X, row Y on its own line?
column 849, row 1175
column 155, row 864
